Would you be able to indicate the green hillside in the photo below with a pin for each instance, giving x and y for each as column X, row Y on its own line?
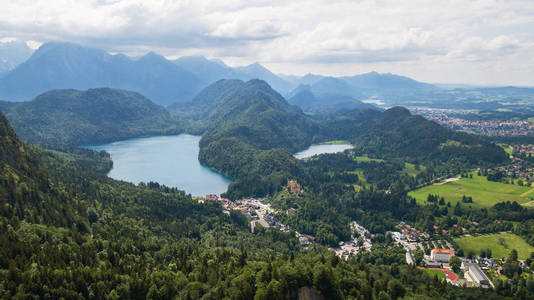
column 88, row 117
column 501, row 244
column 396, row 133
column 67, row 232
column 484, row 193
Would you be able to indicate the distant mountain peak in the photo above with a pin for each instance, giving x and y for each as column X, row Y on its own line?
column 396, row 112
column 63, row 46
column 255, row 67
column 153, row 56
column 193, row 58
column 256, row 81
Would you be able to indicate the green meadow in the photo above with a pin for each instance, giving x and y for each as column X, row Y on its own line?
column 500, row 244
column 485, row 193
column 365, row 158
column 440, row 274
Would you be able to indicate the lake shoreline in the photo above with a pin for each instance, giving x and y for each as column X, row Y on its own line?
column 169, row 160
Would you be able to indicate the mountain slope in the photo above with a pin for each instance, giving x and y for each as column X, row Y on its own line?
column 209, row 71
column 70, row 230
column 86, row 117
column 374, row 81
column 250, row 133
column 208, row 101
column 257, row 71
column 313, row 101
column 396, row 133
column 71, row 66
column 25, row 188
column 258, row 115
column 12, row 54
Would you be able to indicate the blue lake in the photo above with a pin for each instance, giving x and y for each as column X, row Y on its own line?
column 169, row 160
column 321, row 149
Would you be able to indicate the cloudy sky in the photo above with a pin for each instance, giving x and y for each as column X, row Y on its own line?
column 449, row 41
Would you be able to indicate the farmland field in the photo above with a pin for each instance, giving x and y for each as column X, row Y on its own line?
column 485, row 193
column 500, row 244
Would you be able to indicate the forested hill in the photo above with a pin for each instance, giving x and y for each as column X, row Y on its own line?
column 88, row 117
column 257, row 115
column 250, row 131
column 318, row 100
column 206, row 103
column 69, row 233
column 396, row 133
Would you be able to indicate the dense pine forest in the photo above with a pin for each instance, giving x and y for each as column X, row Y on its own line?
column 70, row 232
column 267, row 150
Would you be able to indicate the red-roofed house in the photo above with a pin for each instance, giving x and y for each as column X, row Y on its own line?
column 442, row 255
column 212, row 197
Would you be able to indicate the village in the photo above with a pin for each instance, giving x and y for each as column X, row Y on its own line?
column 431, row 252
column 435, row 255
column 422, row 249
column 259, row 212
column 521, row 166
column 439, row 257
column 452, row 118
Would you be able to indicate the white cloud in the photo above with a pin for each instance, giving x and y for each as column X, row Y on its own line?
column 418, row 37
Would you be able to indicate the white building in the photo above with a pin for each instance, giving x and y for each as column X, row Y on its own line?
column 442, row 255
column 478, row 277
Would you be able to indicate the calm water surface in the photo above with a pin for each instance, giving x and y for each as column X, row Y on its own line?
column 321, row 149
column 169, row 160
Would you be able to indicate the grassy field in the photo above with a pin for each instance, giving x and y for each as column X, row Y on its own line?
column 500, row 244
column 433, row 273
column 485, row 193
column 365, row 158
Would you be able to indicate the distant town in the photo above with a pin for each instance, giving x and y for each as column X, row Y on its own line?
column 452, row 118
column 436, row 249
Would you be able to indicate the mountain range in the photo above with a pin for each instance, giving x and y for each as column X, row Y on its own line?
column 328, row 95
column 58, row 65
column 71, row 66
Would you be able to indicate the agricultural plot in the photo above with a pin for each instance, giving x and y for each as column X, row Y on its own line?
column 500, row 244
column 484, row 193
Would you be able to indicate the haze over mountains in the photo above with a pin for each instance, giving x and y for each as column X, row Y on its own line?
column 12, row 54
column 70, row 66
column 66, row 65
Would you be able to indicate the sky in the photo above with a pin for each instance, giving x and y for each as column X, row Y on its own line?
column 486, row 42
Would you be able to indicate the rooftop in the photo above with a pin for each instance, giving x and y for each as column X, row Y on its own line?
column 443, row 251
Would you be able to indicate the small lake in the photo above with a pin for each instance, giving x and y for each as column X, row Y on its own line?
column 322, row 149
column 169, row 160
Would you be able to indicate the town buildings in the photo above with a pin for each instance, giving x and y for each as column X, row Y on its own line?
column 476, row 275
column 441, row 255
